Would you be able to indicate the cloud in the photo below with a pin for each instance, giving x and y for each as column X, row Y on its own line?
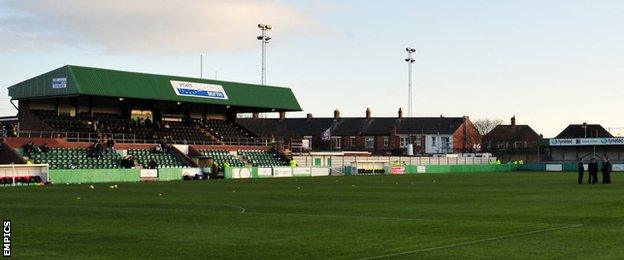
column 145, row 26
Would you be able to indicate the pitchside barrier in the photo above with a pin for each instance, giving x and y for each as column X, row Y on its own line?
column 275, row 172
column 413, row 169
column 119, row 175
column 341, row 161
column 562, row 167
column 23, row 174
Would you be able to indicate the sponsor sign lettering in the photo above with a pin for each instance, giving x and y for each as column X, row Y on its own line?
column 586, row 141
column 201, row 90
column 59, row 83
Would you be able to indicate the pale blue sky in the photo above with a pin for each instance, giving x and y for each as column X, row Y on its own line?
column 550, row 62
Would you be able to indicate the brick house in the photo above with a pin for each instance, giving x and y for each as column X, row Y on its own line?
column 512, row 142
column 379, row 135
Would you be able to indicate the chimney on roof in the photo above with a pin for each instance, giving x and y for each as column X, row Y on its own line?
column 309, row 116
column 255, row 115
column 282, row 115
column 513, row 121
column 336, row 114
column 400, row 113
column 368, row 113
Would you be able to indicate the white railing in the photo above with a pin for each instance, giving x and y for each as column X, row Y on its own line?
column 132, row 138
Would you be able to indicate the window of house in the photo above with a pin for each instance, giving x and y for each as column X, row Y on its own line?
column 417, row 140
column 386, row 141
column 434, row 142
column 307, row 144
column 336, row 142
column 369, row 142
column 404, row 141
column 445, row 144
column 352, row 141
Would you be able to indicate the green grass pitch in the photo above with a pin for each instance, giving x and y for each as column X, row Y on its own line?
column 429, row 216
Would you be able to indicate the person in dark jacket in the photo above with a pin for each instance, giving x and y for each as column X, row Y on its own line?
column 110, row 144
column 29, row 147
column 606, row 171
column 592, row 168
column 581, row 171
column 45, row 148
column 152, row 164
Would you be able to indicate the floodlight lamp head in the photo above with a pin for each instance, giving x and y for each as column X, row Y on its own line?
column 259, row 37
column 267, row 38
column 260, row 25
column 268, row 27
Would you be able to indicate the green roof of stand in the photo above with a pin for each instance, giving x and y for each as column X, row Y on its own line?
column 77, row 80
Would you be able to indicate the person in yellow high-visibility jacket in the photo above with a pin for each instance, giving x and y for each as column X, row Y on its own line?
column 293, row 163
column 498, row 162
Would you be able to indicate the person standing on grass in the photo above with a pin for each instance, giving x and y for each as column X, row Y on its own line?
column 581, row 171
column 606, row 171
column 592, row 168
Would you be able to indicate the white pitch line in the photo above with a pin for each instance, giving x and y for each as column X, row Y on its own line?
column 242, row 210
column 397, row 218
column 472, row 242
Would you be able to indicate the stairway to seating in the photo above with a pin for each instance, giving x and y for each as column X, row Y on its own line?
column 164, row 160
column 262, row 158
column 222, row 156
column 61, row 158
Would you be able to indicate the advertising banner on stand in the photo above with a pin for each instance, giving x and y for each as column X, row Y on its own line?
column 397, row 170
column 282, row 172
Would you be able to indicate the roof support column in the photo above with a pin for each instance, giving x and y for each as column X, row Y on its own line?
column 230, row 114
column 90, row 106
column 56, row 106
column 73, row 102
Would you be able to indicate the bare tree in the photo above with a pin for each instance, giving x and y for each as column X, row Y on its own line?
column 486, row 125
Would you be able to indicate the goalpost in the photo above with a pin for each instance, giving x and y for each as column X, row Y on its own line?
column 23, row 174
